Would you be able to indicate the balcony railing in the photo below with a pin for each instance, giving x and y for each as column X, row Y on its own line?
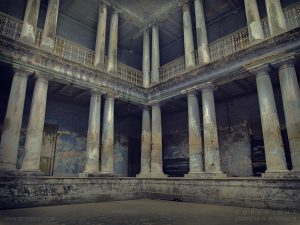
column 11, row 27
column 229, row 44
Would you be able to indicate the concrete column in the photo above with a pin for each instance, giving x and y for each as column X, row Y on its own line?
column 156, row 152
column 146, row 59
column 274, row 151
column 34, row 132
column 112, row 65
column 93, row 137
column 146, row 143
column 155, row 55
column 49, row 33
column 107, row 156
column 101, row 35
column 291, row 103
column 211, row 142
column 9, row 145
column 253, row 21
column 30, row 20
column 276, row 18
column 195, row 139
column 188, row 37
column 202, row 42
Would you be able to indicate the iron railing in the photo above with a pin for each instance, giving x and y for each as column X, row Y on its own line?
column 11, row 27
column 229, row 44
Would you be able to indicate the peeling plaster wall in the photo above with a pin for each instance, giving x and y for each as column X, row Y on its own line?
column 237, row 120
column 175, row 136
column 235, row 150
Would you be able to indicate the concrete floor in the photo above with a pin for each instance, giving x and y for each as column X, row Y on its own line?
column 146, row 212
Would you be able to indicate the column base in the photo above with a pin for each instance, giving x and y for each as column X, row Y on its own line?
column 142, row 175
column 154, row 175
column 276, row 174
column 107, row 174
column 294, row 174
column 96, row 174
column 27, row 173
column 205, row 175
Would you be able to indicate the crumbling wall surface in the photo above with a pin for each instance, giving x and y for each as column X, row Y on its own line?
column 121, row 155
column 235, row 150
column 175, row 136
column 18, row 192
column 72, row 122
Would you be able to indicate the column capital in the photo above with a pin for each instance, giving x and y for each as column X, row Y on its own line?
column 286, row 62
column 111, row 96
column 41, row 76
column 209, row 86
column 259, row 70
column 185, row 6
column 102, row 3
column 22, row 71
column 95, row 91
column 153, row 103
column 146, row 107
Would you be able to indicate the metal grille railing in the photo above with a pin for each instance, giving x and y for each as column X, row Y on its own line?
column 229, row 44
column 11, row 27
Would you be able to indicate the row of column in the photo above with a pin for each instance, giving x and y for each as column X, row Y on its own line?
column 276, row 20
column 151, row 147
column 29, row 31
column 274, row 149
column 12, row 124
column 9, row 145
column 204, row 156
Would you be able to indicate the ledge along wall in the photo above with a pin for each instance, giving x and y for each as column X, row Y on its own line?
column 18, row 192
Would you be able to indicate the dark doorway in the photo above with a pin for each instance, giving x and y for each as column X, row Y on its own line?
column 134, row 157
column 48, row 148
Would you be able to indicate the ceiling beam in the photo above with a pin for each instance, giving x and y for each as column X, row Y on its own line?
column 170, row 34
column 60, row 89
column 170, row 18
column 241, row 85
column 233, row 4
column 80, row 94
column 135, row 36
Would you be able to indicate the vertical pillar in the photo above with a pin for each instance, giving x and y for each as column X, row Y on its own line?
column 30, row 20
column 101, row 35
column 107, row 157
column 276, row 18
column 49, row 33
column 156, row 152
column 34, row 132
column 155, row 55
column 188, row 37
column 146, row 59
column 253, row 21
column 291, row 103
column 211, row 142
column 113, row 44
column 274, row 151
column 93, row 137
column 10, row 137
column 146, row 143
column 195, row 139
column 203, row 52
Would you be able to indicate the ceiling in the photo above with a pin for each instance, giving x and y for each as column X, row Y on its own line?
column 135, row 15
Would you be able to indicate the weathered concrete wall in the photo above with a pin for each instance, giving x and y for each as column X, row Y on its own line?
column 175, row 136
column 235, row 150
column 256, row 192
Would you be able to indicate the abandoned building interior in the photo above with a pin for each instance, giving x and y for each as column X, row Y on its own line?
column 194, row 100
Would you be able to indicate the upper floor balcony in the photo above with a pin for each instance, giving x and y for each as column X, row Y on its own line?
column 10, row 27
